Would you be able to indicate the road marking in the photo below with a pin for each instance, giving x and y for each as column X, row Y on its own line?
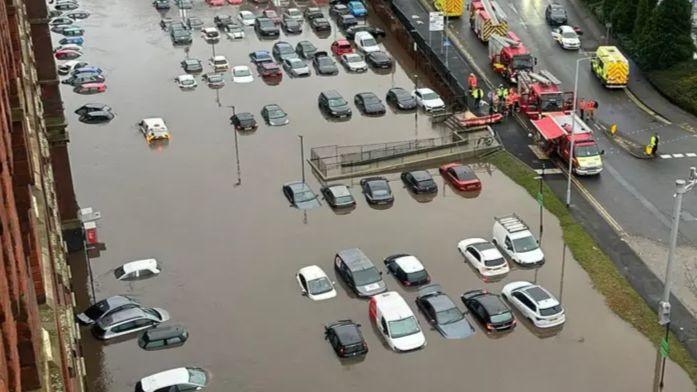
column 553, row 170
column 514, row 9
column 645, row 108
column 666, row 156
column 678, row 156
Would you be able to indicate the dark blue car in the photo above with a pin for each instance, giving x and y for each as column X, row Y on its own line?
column 72, row 40
column 87, row 70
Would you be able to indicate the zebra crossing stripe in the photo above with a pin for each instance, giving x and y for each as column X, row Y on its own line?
column 666, row 156
column 691, row 154
column 678, row 156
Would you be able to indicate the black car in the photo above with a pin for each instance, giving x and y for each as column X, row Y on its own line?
column 97, row 117
column 161, row 4
column 346, row 338
column 165, row 23
column 312, row 13
column 556, row 15
column 338, row 196
column 162, row 337
column 400, row 98
column 78, row 15
column 379, row 60
column 332, row 103
column 265, row 27
column 283, row 50
column 92, row 107
column 180, row 37
column 292, row 25
column 222, row 21
column 377, row 190
column 338, row 10
column 324, row 64
column 244, row 121
column 194, row 23
column 442, row 313
column 407, row 269
column 369, row 104
column 374, row 31
column 67, row 6
column 491, row 311
column 419, row 181
column 346, row 21
column 191, row 65
column 320, row 24
column 306, row 49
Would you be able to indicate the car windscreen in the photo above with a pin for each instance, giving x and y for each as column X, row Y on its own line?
column 404, row 327
column 429, row 96
column 417, row 276
column 188, row 82
column 304, row 195
column 448, row 316
column 276, row 113
column 366, row 276
column 242, row 72
column 344, row 199
column 319, row 286
column 426, row 183
column 525, row 244
column 494, row 262
column 379, row 189
column 283, row 49
column 586, row 151
column 119, row 272
column 336, row 102
column 197, row 377
column 97, row 310
column 369, row 42
column 267, row 24
column 524, row 61
column 371, row 99
column 551, row 311
column 569, row 35
column 501, row 317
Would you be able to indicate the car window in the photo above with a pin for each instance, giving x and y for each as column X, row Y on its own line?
column 474, row 254
column 174, row 340
column 508, row 243
column 403, row 327
column 303, row 282
column 526, row 301
column 124, row 326
column 384, row 324
column 155, row 344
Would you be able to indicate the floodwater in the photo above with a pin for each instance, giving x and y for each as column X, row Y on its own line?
column 230, row 252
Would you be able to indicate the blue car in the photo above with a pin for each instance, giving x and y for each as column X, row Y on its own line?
column 72, row 40
column 260, row 56
column 357, row 8
column 87, row 70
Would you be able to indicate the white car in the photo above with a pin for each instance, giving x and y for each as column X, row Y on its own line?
column 566, row 37
column 179, row 379
column 366, row 42
column 185, row 82
column 396, row 322
column 210, row 34
column 315, row 284
column 137, row 269
column 242, row 74
column 483, row 256
column 535, row 303
column 246, row 17
column 70, row 65
column 354, row 62
column 219, row 63
column 428, row 99
column 293, row 13
column 74, row 47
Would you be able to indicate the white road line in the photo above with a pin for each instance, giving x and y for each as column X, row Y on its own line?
column 666, row 156
column 691, row 154
column 514, row 9
column 678, row 156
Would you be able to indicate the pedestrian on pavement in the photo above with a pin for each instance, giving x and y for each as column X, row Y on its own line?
column 582, row 108
column 654, row 144
column 477, row 94
column 472, row 82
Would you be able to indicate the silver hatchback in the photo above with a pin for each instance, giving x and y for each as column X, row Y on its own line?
column 127, row 321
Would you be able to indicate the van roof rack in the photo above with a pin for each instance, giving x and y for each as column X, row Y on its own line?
column 512, row 223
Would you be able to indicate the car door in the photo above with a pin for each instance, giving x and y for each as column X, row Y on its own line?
column 383, row 329
column 508, row 246
column 429, row 312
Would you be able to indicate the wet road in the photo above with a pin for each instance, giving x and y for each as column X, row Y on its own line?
column 230, row 252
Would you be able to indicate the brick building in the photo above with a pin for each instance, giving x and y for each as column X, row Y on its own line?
column 39, row 345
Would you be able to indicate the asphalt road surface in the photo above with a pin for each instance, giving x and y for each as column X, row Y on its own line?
column 229, row 253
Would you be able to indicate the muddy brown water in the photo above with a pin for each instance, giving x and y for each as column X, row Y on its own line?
column 229, row 253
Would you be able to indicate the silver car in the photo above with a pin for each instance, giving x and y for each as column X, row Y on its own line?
column 296, row 67
column 128, row 321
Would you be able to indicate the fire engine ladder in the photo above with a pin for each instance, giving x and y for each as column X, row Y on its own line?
column 545, row 77
column 494, row 11
column 505, row 42
column 512, row 223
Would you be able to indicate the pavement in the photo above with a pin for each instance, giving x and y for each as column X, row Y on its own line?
column 634, row 196
column 229, row 252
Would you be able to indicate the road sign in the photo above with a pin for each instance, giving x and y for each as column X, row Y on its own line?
column 446, row 42
column 540, row 199
column 435, row 21
column 665, row 348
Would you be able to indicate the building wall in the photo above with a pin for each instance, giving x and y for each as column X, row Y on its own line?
column 39, row 347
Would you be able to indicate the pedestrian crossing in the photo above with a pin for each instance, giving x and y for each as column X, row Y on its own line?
column 678, row 155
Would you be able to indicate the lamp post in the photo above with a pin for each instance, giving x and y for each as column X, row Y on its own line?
column 416, row 112
column 573, row 130
column 540, row 198
column 302, row 156
column 237, row 151
column 681, row 188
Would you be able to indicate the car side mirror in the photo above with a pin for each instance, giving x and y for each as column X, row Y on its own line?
column 602, row 152
column 381, row 273
column 535, row 60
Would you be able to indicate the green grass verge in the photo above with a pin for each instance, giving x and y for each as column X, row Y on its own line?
column 678, row 84
column 620, row 296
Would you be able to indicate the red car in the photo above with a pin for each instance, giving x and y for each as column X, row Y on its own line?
column 215, row 3
column 67, row 54
column 341, row 46
column 235, row 2
column 269, row 69
column 273, row 15
column 90, row 88
column 461, row 177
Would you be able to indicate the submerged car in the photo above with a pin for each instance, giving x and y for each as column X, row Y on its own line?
column 338, row 196
column 377, row 190
column 269, row 70
column 379, row 59
column 191, row 65
column 359, row 272
column 461, row 177
column 153, row 129
column 163, row 337
column 484, row 256
column 489, row 309
column 261, row 56
column 419, row 181
column 138, row 269
column 428, row 100
column 106, row 307
column 92, row 107
column 98, row 117
column 315, row 284
column 242, row 74
column 400, row 99
column 128, row 321
column 324, row 65
column 333, row 104
column 535, row 303
column 320, row 24
column 407, row 269
column 354, row 62
column 300, row 195
column 346, row 338
column 369, row 104
column 306, row 49
column 274, row 115
column 90, row 88
column 296, row 67
column 244, row 121
column 180, row 379
column 442, row 313
column 214, row 80
column 283, row 50
column 185, row 82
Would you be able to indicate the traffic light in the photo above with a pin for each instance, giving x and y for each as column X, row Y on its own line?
column 663, row 313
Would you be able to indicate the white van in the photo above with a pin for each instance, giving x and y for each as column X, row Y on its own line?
column 366, row 42
column 396, row 322
column 513, row 236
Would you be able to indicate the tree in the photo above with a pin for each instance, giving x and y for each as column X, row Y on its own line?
column 608, row 7
column 624, row 16
column 666, row 39
column 643, row 13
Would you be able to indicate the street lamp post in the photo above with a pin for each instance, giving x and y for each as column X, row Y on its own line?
column 540, row 199
column 573, row 130
column 302, row 156
column 416, row 112
column 237, row 151
column 681, row 188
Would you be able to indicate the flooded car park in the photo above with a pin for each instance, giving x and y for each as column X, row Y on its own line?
column 230, row 253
